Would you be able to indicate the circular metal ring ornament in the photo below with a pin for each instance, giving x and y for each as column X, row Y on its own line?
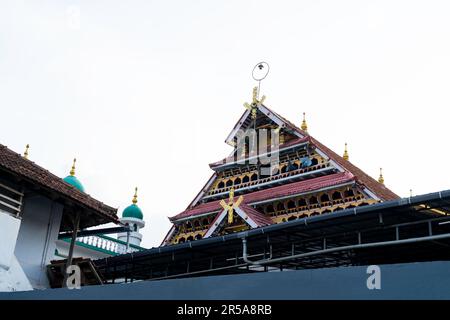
column 260, row 71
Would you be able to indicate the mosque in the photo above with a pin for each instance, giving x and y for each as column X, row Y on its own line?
column 41, row 217
column 100, row 245
column 289, row 204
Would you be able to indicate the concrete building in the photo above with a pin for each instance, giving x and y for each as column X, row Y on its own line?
column 37, row 212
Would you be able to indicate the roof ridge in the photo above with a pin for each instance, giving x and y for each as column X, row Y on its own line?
column 14, row 163
column 379, row 189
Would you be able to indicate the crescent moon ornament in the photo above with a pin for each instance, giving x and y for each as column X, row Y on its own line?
column 260, row 71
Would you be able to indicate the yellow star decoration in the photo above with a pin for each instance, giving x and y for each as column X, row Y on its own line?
column 231, row 205
column 255, row 103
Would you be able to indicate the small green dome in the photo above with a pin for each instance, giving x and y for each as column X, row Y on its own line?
column 133, row 211
column 72, row 180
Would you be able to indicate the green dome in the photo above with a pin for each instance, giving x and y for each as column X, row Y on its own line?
column 72, row 180
column 133, row 211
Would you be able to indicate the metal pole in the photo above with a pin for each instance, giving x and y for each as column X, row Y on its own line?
column 128, row 241
column 76, row 225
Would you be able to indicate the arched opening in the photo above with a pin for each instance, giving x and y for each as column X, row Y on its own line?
column 245, row 179
column 292, row 218
column 349, row 193
column 198, row 237
column 302, row 202
column 363, row 204
column 302, row 216
column 190, row 238
column 135, row 227
column 291, row 204
column 254, row 177
column 181, row 240
column 313, row 200
column 237, row 181
column 270, row 209
column 326, row 211
column 336, row 195
column 324, row 198
column 188, row 225
column 196, row 224
column 205, row 222
column 315, row 213
column 229, row 183
column 314, row 161
column 221, row 185
column 280, row 206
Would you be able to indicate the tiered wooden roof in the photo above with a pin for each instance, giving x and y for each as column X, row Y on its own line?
column 345, row 173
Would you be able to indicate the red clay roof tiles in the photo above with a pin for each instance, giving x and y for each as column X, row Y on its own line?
column 28, row 170
column 273, row 193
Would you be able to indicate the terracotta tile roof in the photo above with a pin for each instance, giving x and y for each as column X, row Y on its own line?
column 29, row 171
column 373, row 185
column 352, row 173
column 259, row 218
column 273, row 193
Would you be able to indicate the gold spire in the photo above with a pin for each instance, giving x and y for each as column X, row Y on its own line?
column 345, row 156
column 381, row 178
column 255, row 102
column 255, row 95
column 25, row 154
column 72, row 171
column 304, row 126
column 135, row 196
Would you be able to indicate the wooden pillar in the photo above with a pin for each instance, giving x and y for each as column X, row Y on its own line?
column 76, row 225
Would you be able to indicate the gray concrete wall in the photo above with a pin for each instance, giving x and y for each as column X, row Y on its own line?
column 429, row 280
column 41, row 220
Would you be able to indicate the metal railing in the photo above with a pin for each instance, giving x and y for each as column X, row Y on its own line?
column 110, row 245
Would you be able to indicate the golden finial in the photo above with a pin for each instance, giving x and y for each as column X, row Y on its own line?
column 135, row 196
column 255, row 101
column 255, row 95
column 231, row 195
column 345, row 156
column 304, row 126
column 72, row 171
column 381, row 178
column 25, row 154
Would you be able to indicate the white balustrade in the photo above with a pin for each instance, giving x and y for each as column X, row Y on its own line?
column 106, row 244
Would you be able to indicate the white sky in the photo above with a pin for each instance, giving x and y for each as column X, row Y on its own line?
column 145, row 92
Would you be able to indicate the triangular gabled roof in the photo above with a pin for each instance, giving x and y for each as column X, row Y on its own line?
column 275, row 117
column 275, row 198
column 348, row 170
column 250, row 216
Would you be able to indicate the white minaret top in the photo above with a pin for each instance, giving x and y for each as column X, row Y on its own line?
column 134, row 218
